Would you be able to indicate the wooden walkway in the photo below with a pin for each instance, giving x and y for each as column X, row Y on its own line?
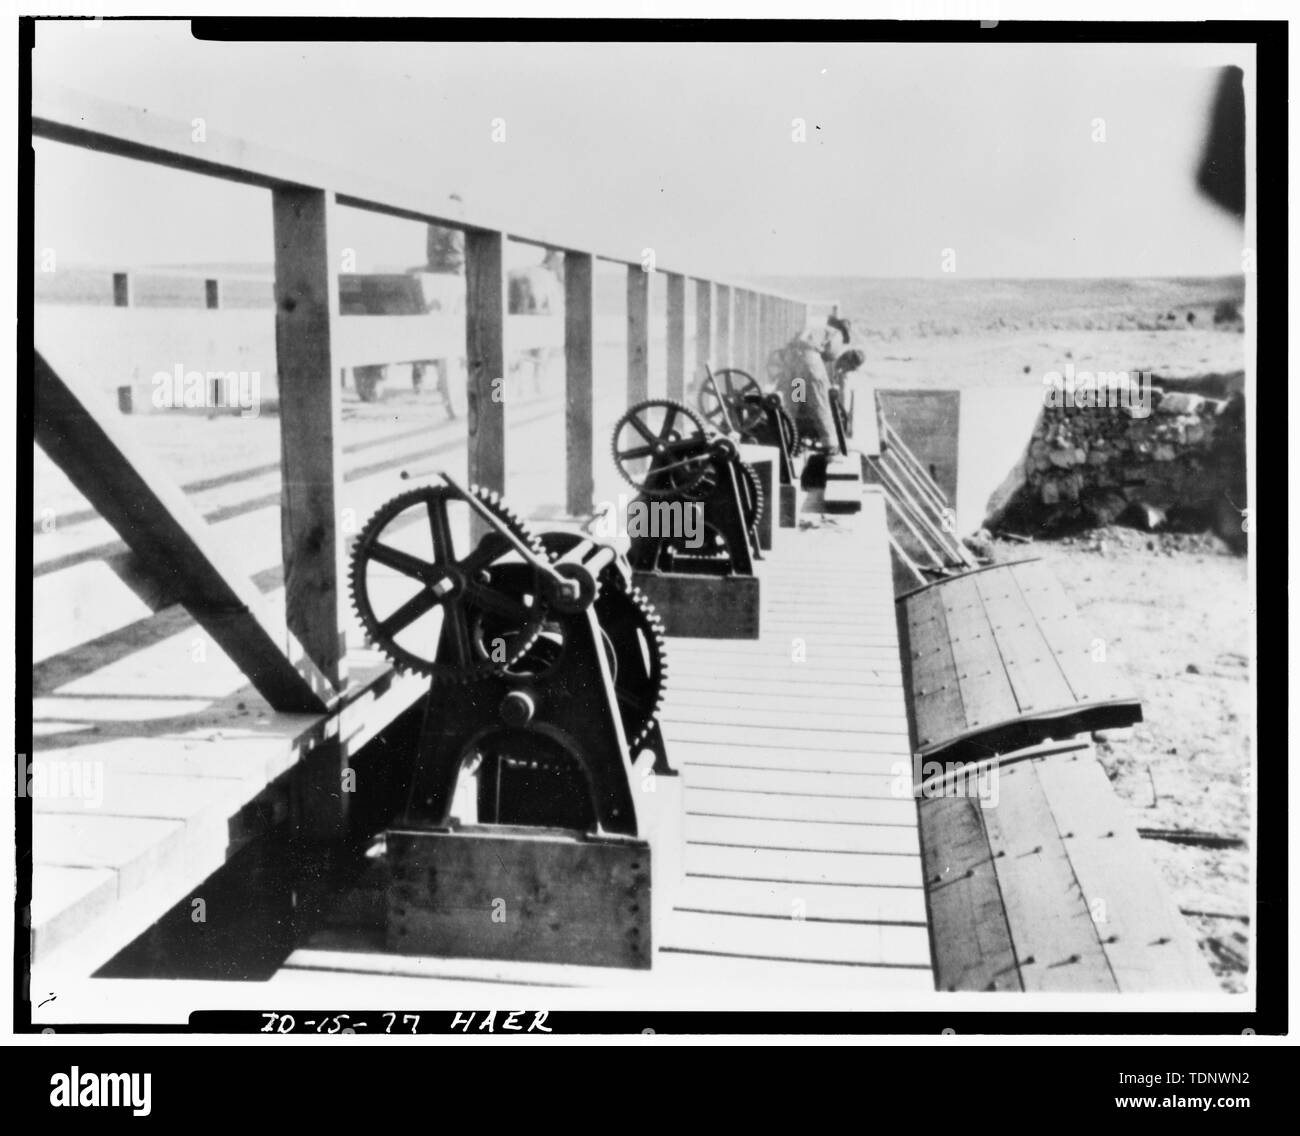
column 167, row 790
column 798, row 851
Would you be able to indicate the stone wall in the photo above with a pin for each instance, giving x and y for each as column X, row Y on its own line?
column 1182, row 465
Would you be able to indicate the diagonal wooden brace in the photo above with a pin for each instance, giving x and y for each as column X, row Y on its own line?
column 172, row 540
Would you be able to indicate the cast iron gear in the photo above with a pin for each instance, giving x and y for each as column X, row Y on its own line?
column 751, row 493
column 636, row 647
column 485, row 627
column 665, row 429
column 743, row 397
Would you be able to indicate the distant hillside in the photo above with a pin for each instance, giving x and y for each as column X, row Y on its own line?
column 878, row 307
column 953, row 305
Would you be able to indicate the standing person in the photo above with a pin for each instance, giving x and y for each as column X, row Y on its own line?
column 804, row 387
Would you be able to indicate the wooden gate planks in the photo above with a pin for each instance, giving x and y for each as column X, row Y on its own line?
column 1056, row 940
column 1039, row 882
column 1148, row 944
column 968, row 924
column 998, row 659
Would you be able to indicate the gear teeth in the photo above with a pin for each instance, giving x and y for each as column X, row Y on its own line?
column 405, row 660
column 739, row 414
column 756, row 487
column 700, row 428
column 793, row 442
column 653, row 626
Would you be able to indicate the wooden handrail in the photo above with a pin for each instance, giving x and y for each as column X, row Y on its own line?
column 64, row 115
column 306, row 194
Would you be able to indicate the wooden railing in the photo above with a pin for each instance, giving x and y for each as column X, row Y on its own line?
column 737, row 324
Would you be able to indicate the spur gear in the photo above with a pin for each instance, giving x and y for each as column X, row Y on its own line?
column 751, row 494
column 635, row 645
column 733, row 396
column 661, row 429
column 485, row 626
column 639, row 641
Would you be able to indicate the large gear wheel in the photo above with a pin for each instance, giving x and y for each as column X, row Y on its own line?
column 751, row 490
column 666, row 429
column 743, row 399
column 635, row 645
column 484, row 627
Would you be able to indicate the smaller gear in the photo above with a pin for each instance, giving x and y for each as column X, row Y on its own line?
column 634, row 640
column 661, row 448
column 488, row 621
column 751, row 487
column 735, row 396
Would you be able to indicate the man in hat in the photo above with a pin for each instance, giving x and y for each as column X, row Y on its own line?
column 804, row 386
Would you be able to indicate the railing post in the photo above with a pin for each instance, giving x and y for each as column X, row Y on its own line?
column 723, row 356
column 578, row 368
column 306, row 319
column 743, row 333
column 676, row 350
column 485, row 354
column 212, row 294
column 121, row 290
column 755, row 330
column 638, row 334
column 745, row 330
column 703, row 326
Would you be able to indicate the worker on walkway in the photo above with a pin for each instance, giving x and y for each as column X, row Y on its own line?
column 804, row 386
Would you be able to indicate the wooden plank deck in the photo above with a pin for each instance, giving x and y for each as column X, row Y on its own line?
column 797, row 851
column 161, row 779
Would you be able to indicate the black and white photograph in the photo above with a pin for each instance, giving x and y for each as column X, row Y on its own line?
column 539, row 517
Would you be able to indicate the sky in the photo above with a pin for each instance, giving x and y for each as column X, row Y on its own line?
column 991, row 151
